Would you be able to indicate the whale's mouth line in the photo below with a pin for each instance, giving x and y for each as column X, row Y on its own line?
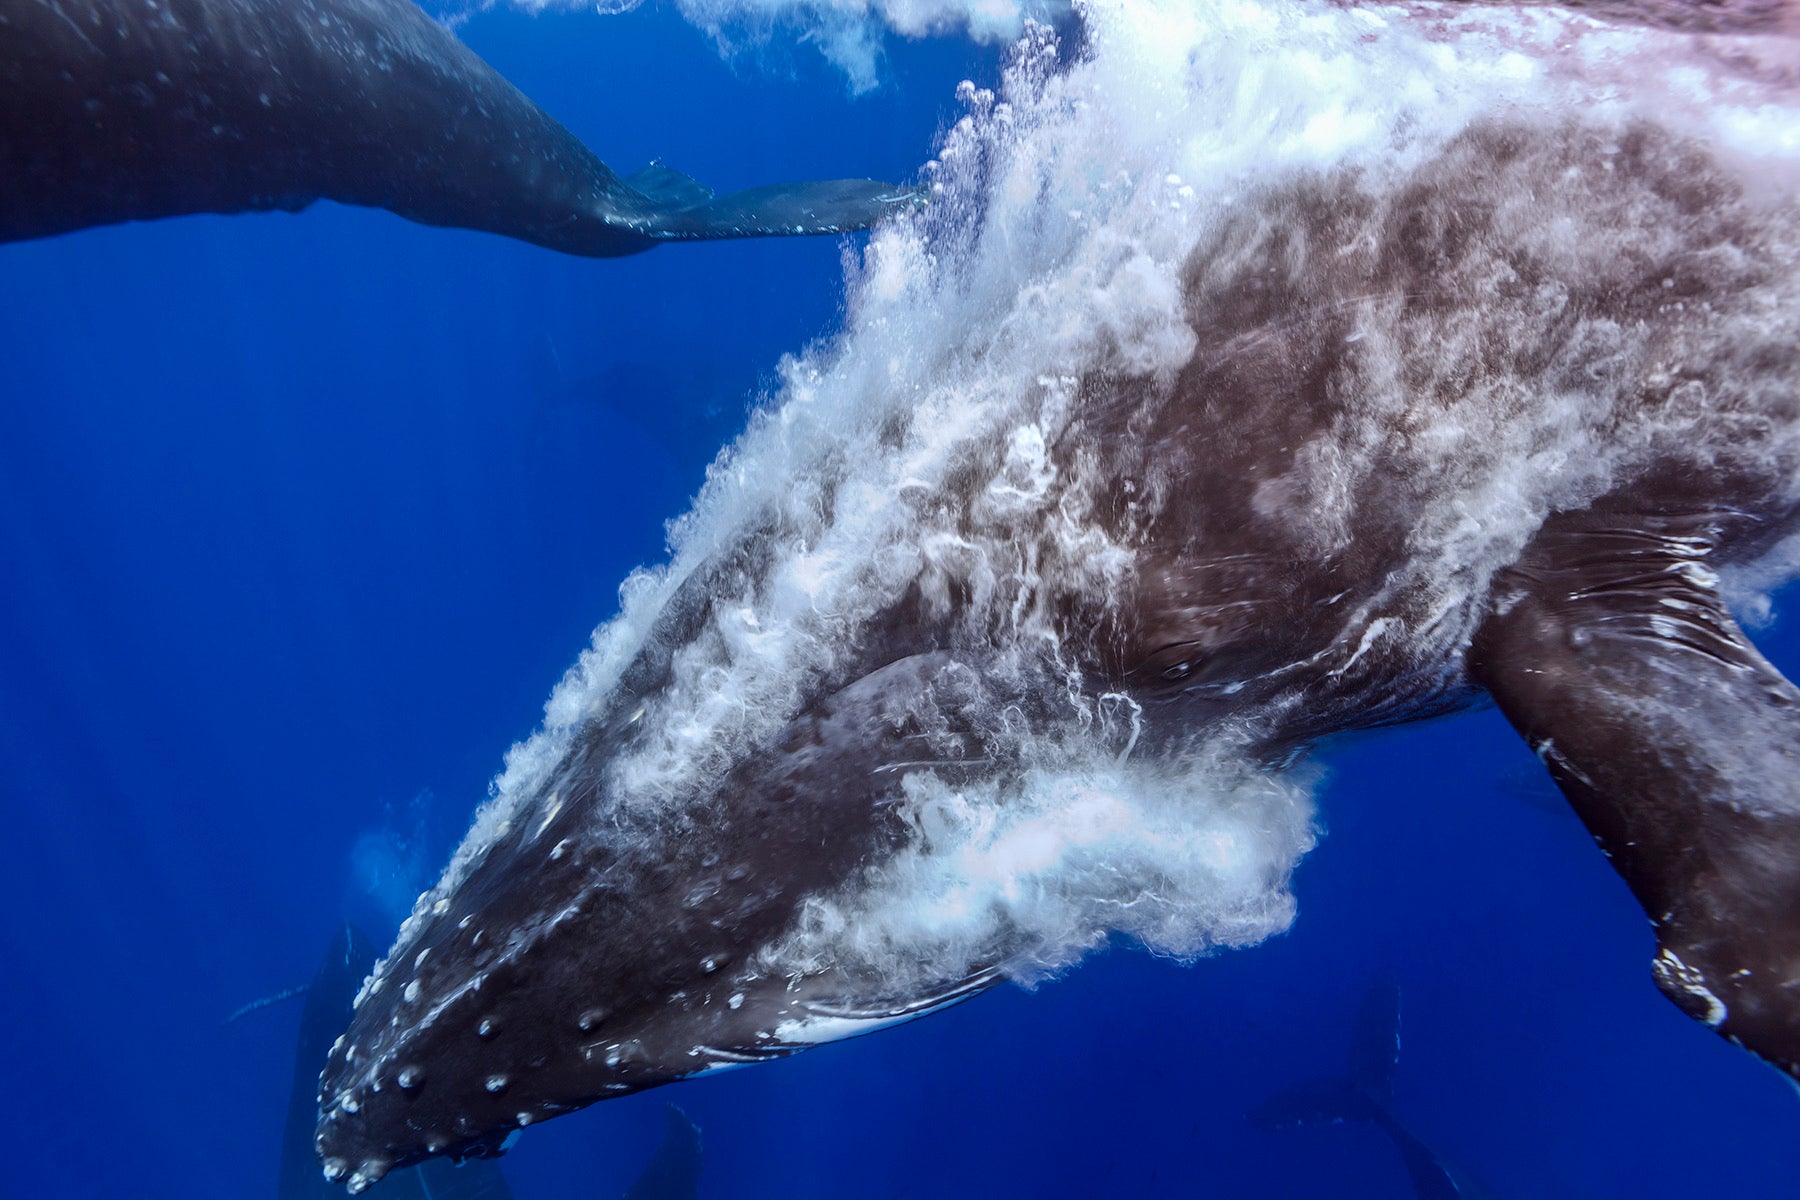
column 933, row 764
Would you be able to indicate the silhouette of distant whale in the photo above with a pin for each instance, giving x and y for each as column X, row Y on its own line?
column 1365, row 1092
column 118, row 110
column 1492, row 425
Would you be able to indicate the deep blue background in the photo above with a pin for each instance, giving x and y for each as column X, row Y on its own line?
column 302, row 515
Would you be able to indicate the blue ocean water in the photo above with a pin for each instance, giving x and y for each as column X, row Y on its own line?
column 301, row 516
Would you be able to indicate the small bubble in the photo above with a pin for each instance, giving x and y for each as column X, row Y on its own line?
column 410, row 1078
column 496, row 1083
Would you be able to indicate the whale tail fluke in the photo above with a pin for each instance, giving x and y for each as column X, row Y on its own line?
column 683, row 210
column 1315, row 1102
column 390, row 111
column 1366, row 1091
column 1375, row 1043
column 673, row 1172
column 1365, row 1094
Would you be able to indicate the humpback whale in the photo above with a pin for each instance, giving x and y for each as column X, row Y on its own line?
column 1010, row 625
column 118, row 110
column 1365, row 1092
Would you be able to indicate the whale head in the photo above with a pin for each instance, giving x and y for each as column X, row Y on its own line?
column 1000, row 633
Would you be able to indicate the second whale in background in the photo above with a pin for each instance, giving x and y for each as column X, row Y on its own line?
column 120, row 110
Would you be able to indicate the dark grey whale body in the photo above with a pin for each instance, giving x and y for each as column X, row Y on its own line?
column 347, row 961
column 117, row 110
column 1365, row 1093
column 673, row 1172
column 1302, row 559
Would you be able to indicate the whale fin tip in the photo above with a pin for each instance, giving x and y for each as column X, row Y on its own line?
column 783, row 209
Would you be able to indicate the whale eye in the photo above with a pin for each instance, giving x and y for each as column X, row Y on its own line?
column 1175, row 661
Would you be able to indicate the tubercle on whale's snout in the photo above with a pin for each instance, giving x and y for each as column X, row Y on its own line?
column 421, row 1072
column 356, row 1170
column 369, row 1173
column 363, row 1174
column 440, row 1070
column 387, row 1119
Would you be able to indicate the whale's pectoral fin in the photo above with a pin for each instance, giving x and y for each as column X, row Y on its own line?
column 1677, row 744
column 683, row 210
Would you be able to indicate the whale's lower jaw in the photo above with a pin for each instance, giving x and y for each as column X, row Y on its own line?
column 586, row 958
column 795, row 1015
column 600, row 949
